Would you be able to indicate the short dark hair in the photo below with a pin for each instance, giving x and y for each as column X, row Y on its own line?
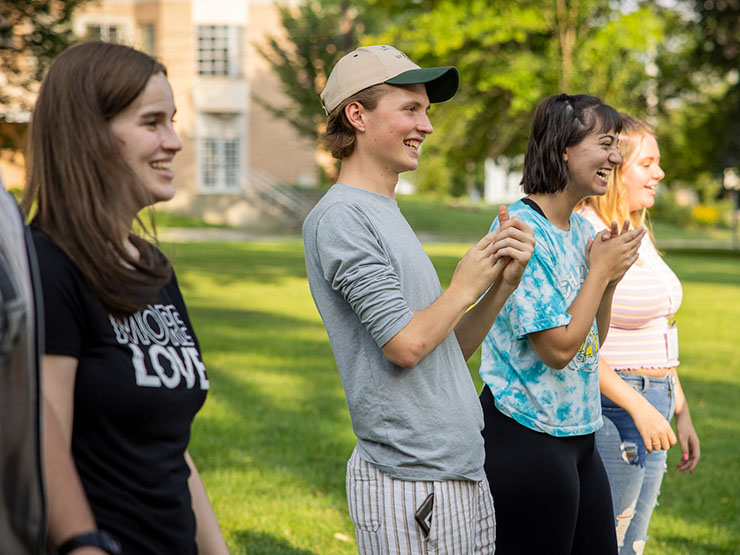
column 339, row 137
column 561, row 121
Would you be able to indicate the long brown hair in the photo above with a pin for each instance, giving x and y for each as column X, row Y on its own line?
column 79, row 189
column 614, row 205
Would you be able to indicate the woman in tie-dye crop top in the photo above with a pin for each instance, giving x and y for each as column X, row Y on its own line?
column 541, row 402
column 637, row 363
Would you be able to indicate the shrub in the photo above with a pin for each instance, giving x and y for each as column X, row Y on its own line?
column 667, row 210
column 705, row 215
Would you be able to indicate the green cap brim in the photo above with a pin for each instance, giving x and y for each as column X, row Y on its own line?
column 441, row 82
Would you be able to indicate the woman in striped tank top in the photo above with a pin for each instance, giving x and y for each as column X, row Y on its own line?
column 637, row 363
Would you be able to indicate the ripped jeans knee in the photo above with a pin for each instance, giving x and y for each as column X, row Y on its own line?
column 624, row 519
column 638, row 546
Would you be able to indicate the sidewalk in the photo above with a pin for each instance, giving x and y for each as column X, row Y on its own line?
column 215, row 234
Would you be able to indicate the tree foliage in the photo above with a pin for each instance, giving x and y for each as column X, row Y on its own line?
column 669, row 60
column 719, row 48
column 316, row 35
column 32, row 33
column 513, row 54
column 700, row 84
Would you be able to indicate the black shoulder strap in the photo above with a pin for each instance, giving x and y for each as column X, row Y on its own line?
column 534, row 206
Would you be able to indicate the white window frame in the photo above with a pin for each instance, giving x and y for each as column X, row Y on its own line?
column 124, row 25
column 224, row 170
column 148, row 32
column 220, row 147
column 105, row 32
column 217, row 48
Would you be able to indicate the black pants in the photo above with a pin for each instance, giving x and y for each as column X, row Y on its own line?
column 551, row 494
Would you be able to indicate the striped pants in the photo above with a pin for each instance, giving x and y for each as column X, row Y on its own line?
column 382, row 510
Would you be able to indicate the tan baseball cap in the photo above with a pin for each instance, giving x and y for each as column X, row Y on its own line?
column 373, row 65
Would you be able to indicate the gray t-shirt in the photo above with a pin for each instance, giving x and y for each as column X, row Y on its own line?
column 368, row 272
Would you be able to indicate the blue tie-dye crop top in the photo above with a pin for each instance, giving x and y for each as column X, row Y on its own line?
column 558, row 402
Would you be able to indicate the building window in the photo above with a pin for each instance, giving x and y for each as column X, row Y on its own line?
column 217, row 50
column 220, row 164
column 220, row 144
column 149, row 39
column 94, row 32
column 107, row 33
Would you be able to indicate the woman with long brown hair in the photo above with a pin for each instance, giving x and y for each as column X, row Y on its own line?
column 123, row 376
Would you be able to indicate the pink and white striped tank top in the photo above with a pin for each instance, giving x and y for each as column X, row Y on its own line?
column 641, row 334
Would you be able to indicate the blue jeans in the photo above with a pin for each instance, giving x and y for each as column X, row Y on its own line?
column 634, row 474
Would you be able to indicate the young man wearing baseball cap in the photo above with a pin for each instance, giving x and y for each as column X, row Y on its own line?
column 415, row 480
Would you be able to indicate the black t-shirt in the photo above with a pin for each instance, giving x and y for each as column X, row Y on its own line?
column 140, row 381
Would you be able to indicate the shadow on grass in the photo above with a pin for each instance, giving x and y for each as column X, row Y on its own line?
column 259, row 543
column 679, row 544
column 710, row 497
column 239, row 331
column 691, row 265
column 289, row 420
column 306, row 435
column 247, row 321
column 705, row 266
column 304, row 440
column 238, row 262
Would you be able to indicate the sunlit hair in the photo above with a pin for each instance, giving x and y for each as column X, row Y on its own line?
column 340, row 137
column 614, row 205
column 79, row 190
column 559, row 122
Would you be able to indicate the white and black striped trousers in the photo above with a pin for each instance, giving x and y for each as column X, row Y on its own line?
column 382, row 510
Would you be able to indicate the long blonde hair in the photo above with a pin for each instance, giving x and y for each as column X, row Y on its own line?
column 614, row 205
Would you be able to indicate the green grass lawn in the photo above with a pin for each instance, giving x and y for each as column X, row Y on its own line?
column 170, row 219
column 445, row 220
column 274, row 436
column 436, row 220
column 465, row 222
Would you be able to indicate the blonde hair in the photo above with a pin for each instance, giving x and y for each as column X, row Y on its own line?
column 614, row 205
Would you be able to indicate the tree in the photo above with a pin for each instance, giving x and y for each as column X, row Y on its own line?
column 513, row 54
column 719, row 25
column 32, row 33
column 510, row 55
column 317, row 35
column 700, row 85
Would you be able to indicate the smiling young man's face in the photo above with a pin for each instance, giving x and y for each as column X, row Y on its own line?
column 398, row 125
column 148, row 141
